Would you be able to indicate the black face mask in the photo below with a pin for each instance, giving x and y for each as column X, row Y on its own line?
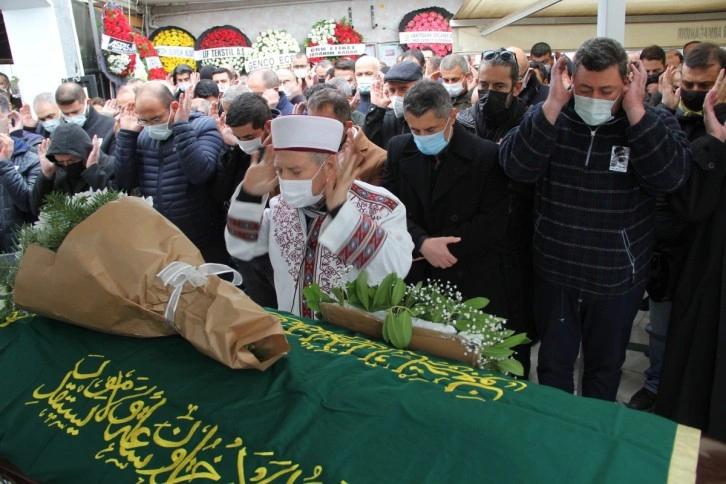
column 493, row 104
column 693, row 100
column 74, row 170
column 652, row 79
column 321, row 80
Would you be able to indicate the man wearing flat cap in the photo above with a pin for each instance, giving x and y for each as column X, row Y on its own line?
column 323, row 223
column 385, row 116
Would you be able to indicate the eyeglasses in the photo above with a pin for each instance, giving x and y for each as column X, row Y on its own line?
column 505, row 55
column 152, row 121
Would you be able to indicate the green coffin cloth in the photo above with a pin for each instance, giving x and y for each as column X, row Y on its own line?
column 77, row 406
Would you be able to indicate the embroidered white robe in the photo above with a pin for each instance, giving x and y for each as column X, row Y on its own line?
column 368, row 233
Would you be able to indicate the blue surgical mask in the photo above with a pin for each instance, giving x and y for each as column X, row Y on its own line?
column 79, row 119
column 51, row 124
column 594, row 112
column 159, row 131
column 365, row 84
column 432, row 144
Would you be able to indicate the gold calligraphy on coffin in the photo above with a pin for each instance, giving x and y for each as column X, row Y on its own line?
column 9, row 317
column 181, row 450
column 463, row 381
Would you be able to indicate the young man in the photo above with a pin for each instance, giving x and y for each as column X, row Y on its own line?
column 323, row 221
column 76, row 108
column 598, row 155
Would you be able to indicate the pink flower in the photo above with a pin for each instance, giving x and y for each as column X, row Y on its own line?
column 410, row 23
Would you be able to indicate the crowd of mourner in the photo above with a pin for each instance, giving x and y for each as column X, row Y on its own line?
column 571, row 192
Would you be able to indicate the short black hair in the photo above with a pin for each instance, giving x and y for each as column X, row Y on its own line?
column 223, row 70
column 425, row 96
column 344, row 65
column 653, row 52
column 427, row 47
column 334, row 98
column 248, row 108
column 540, row 48
column 206, row 88
column 705, row 55
column 181, row 69
column 68, row 93
column 205, row 72
column 600, row 53
column 415, row 55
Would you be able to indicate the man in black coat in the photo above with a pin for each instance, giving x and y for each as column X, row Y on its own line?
column 455, row 196
column 383, row 122
column 76, row 108
column 692, row 387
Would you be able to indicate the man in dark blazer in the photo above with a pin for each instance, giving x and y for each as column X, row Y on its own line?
column 455, row 196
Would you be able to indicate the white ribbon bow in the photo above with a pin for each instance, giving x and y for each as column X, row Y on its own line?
column 179, row 273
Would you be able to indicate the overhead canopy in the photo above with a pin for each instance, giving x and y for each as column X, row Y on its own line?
column 565, row 24
column 495, row 9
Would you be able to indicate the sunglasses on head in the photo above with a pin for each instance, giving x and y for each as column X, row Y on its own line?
column 505, row 55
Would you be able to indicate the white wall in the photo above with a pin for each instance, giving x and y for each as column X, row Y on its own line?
column 298, row 19
column 34, row 42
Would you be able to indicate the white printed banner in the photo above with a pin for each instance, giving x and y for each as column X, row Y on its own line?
column 174, row 51
column 153, row 62
column 221, row 52
column 426, row 37
column 335, row 50
column 117, row 46
column 269, row 62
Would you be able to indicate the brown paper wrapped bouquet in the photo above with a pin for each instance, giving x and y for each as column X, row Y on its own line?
column 125, row 269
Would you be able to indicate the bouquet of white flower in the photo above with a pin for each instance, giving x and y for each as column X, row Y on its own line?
column 273, row 42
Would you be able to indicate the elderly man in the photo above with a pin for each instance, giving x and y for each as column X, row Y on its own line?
column 331, row 103
column 47, row 112
column 76, row 108
column 266, row 83
column 456, row 75
column 323, row 221
column 383, row 123
column 367, row 68
column 598, row 155
column 170, row 153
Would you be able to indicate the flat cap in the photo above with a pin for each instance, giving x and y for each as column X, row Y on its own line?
column 405, row 71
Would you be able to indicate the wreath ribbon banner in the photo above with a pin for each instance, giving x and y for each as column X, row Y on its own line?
column 117, row 46
column 269, row 62
column 174, row 51
column 221, row 52
column 426, row 37
column 334, row 50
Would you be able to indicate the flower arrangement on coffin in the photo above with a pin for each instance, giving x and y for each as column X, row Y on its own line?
column 148, row 54
column 273, row 42
column 331, row 32
column 224, row 36
column 118, row 49
column 431, row 317
column 432, row 19
column 112, row 263
column 169, row 43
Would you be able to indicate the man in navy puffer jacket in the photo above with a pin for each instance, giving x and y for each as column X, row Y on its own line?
column 170, row 153
column 19, row 168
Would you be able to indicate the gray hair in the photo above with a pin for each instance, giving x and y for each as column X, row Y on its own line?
column 452, row 61
column 333, row 98
column 269, row 78
column 341, row 85
column 44, row 97
column 233, row 92
column 5, row 106
column 600, row 53
column 427, row 96
column 201, row 104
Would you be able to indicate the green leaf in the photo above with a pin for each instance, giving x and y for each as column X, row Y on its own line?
column 386, row 326
column 477, row 302
column 515, row 340
column 312, row 296
column 339, row 295
column 511, row 366
column 399, row 290
column 361, row 289
column 382, row 299
column 400, row 330
column 497, row 353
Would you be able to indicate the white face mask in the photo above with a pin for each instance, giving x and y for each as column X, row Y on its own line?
column 397, row 104
column 365, row 84
column 185, row 85
column 222, row 87
column 250, row 146
column 79, row 119
column 286, row 90
column 159, row 131
column 300, row 73
column 51, row 124
column 454, row 90
column 299, row 193
column 594, row 112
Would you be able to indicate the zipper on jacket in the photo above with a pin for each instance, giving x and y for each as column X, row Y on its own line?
column 626, row 243
column 592, row 140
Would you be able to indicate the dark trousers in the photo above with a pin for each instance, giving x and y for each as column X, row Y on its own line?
column 564, row 318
